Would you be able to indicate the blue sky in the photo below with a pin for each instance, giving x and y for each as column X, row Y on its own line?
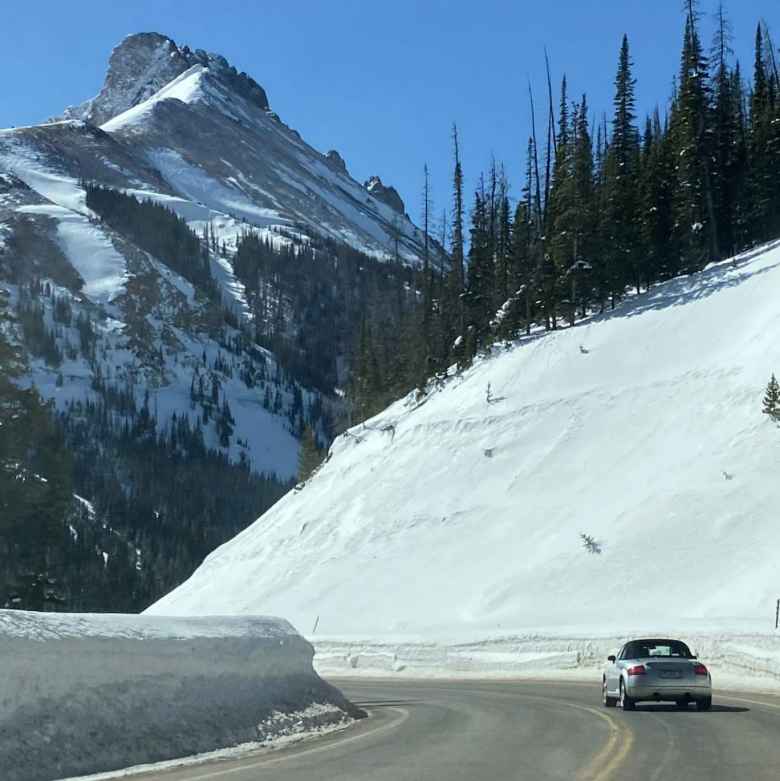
column 381, row 82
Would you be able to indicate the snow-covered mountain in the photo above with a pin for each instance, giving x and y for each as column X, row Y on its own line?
column 173, row 122
column 184, row 129
column 209, row 334
column 462, row 515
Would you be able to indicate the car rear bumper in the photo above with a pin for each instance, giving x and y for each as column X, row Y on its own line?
column 657, row 690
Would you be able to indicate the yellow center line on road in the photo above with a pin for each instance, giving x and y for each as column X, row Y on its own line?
column 614, row 753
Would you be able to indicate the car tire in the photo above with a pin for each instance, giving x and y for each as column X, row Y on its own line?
column 682, row 704
column 704, row 704
column 626, row 703
column 607, row 701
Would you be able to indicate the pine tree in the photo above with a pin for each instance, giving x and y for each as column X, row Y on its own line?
column 454, row 320
column 310, row 455
column 621, row 169
column 764, row 146
column 724, row 131
column 695, row 228
column 560, row 212
column 580, row 273
column 772, row 399
column 503, row 249
column 481, row 278
column 655, row 210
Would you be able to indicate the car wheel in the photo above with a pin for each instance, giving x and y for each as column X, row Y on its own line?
column 704, row 704
column 607, row 701
column 626, row 703
column 682, row 704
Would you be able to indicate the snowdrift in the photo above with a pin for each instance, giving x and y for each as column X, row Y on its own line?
column 458, row 519
column 88, row 693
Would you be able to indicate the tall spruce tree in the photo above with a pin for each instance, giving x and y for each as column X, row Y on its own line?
column 724, row 135
column 481, row 277
column 453, row 306
column 621, row 196
column 764, row 145
column 695, row 224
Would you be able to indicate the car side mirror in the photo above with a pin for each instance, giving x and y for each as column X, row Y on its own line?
column 611, row 658
column 694, row 656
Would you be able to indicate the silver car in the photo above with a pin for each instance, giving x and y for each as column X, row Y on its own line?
column 657, row 670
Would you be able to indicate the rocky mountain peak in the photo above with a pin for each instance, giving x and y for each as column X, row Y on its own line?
column 386, row 194
column 335, row 160
column 144, row 63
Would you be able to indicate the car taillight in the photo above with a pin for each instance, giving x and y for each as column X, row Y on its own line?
column 639, row 669
column 700, row 669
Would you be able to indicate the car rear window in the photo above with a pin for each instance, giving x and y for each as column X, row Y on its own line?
column 646, row 649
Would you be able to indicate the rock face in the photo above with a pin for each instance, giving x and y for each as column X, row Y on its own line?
column 388, row 195
column 163, row 112
column 144, row 63
column 336, row 161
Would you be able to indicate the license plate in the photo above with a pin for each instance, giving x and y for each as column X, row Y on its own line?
column 670, row 674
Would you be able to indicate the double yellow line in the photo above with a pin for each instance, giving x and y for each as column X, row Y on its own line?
column 613, row 754
column 615, row 751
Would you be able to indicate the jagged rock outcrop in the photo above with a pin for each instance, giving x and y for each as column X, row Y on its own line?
column 388, row 195
column 336, row 161
column 144, row 63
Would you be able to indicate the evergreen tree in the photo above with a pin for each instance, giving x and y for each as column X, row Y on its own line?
column 764, row 146
column 655, row 210
column 621, row 196
column 695, row 231
column 772, row 399
column 309, row 455
column 481, row 278
column 454, row 314
column 725, row 146
column 560, row 211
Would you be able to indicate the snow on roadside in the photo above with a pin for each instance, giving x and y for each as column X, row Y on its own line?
column 150, row 688
column 283, row 729
column 746, row 661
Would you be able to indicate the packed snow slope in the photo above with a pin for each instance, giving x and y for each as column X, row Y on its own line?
column 458, row 519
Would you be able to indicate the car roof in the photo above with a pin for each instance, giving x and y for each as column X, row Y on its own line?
column 655, row 640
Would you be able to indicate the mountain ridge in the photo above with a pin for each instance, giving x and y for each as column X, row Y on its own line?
column 182, row 278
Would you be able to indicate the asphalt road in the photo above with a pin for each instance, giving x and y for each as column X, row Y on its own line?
column 497, row 731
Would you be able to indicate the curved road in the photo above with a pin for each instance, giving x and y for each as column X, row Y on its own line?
column 502, row 730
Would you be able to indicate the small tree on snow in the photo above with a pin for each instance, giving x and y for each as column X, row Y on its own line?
column 590, row 543
column 772, row 399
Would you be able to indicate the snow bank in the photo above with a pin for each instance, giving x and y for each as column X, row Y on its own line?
column 459, row 519
column 88, row 693
column 745, row 660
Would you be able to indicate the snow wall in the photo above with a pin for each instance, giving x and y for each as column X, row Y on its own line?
column 741, row 660
column 89, row 693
